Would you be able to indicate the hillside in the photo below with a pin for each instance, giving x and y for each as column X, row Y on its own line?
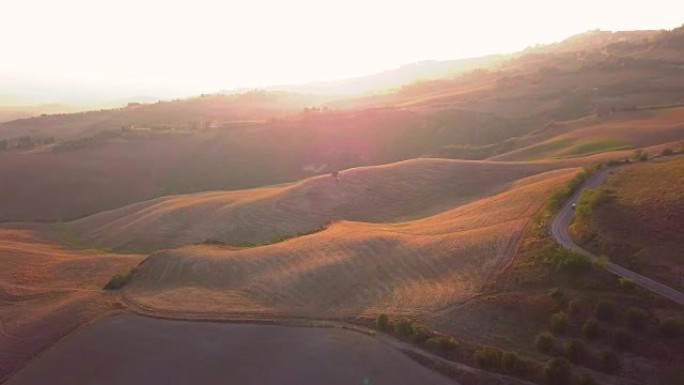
column 641, row 225
column 47, row 291
column 350, row 268
column 389, row 193
column 619, row 130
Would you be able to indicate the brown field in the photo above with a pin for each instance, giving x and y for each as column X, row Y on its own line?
column 389, row 193
column 642, row 227
column 47, row 291
column 351, row 268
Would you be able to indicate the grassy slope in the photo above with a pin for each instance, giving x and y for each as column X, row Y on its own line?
column 624, row 129
column 47, row 291
column 388, row 193
column 351, row 268
column 642, row 226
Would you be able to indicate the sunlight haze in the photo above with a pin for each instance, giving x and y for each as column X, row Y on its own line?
column 73, row 50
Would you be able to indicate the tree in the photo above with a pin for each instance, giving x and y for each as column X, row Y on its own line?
column 403, row 327
column 488, row 358
column 591, row 328
column 512, row 363
column 544, row 342
column 626, row 284
column 25, row 143
column 574, row 350
column 559, row 323
column 382, row 322
column 557, row 371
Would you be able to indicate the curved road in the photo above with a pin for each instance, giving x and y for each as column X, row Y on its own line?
column 559, row 231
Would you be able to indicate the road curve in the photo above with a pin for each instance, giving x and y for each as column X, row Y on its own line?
column 559, row 231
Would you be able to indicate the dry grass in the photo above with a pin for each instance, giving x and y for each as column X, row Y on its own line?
column 642, row 226
column 351, row 268
column 389, row 193
column 624, row 129
column 47, row 291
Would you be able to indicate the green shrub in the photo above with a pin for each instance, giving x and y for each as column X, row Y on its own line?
column 559, row 323
column 602, row 262
column 605, row 310
column 587, row 380
column 670, row 328
column 382, row 322
column 591, row 328
column 4, row 144
column 609, row 361
column 636, row 318
column 575, row 306
column 667, row 151
column 572, row 262
column 489, row 358
column 589, row 199
column 557, row 371
column 626, row 284
column 640, row 156
column 432, row 343
column 623, row 339
column 420, row 334
column 574, row 350
column 403, row 327
column 120, row 280
column 544, row 342
column 448, row 343
column 512, row 363
column 557, row 294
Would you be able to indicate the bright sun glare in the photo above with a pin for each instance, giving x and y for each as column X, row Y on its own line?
column 178, row 48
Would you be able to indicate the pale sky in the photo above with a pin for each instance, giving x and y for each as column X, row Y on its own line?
column 63, row 49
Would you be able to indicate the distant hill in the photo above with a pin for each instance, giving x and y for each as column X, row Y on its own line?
column 388, row 80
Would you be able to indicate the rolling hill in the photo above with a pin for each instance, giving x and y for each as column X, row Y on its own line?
column 388, row 193
column 350, row 268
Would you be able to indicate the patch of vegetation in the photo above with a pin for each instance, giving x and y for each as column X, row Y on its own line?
column 575, row 350
column 595, row 146
column 588, row 201
column 591, row 328
column 560, row 196
column 382, row 322
column 545, row 342
column 120, row 280
column 558, row 371
column 512, row 363
column 559, row 323
column 488, row 358
column 627, row 285
column 281, row 239
column 211, row 241
column 640, row 156
column 637, row 318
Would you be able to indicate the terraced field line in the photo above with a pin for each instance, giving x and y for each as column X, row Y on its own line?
column 559, row 231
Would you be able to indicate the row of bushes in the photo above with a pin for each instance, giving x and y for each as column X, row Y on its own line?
column 120, row 280
column 416, row 333
column 556, row 200
column 495, row 359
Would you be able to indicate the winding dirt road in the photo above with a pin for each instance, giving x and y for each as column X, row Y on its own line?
column 559, row 231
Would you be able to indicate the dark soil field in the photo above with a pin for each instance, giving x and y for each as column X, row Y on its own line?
column 129, row 349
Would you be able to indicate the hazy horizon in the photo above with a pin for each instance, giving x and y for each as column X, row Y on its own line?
column 76, row 52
